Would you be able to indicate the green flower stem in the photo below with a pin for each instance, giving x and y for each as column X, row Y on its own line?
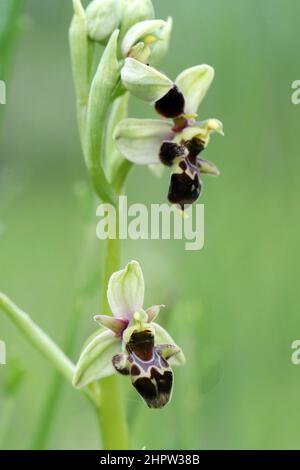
column 7, row 410
column 48, row 413
column 112, row 418
column 121, row 175
column 111, row 414
column 40, row 340
column 7, row 421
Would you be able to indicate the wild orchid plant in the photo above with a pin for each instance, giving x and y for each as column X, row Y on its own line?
column 115, row 45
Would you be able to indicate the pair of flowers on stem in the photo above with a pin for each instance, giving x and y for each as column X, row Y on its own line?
column 178, row 141
column 132, row 343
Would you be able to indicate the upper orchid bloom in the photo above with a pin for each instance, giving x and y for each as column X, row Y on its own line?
column 147, row 41
column 132, row 343
column 177, row 142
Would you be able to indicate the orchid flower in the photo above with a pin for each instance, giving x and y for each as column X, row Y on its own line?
column 147, row 40
column 178, row 141
column 132, row 343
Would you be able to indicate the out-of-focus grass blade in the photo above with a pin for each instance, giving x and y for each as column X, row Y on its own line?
column 9, row 25
column 10, row 387
column 9, row 15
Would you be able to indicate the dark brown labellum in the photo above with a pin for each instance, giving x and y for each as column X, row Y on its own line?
column 184, row 188
column 169, row 151
column 156, row 389
column 172, row 104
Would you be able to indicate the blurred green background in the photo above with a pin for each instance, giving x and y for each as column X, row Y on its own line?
column 235, row 305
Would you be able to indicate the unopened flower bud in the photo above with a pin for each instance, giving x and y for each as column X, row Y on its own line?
column 103, row 17
column 134, row 11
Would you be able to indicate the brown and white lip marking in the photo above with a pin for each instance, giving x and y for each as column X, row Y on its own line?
column 150, row 373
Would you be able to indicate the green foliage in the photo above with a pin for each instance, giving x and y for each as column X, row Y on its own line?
column 9, row 15
column 9, row 26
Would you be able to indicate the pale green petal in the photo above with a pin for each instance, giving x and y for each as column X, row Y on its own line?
column 161, row 46
column 207, row 167
column 125, row 291
column 116, row 325
column 95, row 361
column 168, row 351
column 144, row 81
column 163, row 337
column 153, row 311
column 137, row 32
column 194, row 83
column 139, row 140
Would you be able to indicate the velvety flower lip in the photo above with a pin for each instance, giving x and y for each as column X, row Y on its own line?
column 171, row 105
column 178, row 141
column 147, row 365
column 169, row 150
column 185, row 185
column 131, row 343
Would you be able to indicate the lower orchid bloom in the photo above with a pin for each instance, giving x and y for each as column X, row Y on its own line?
column 132, row 343
column 178, row 142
